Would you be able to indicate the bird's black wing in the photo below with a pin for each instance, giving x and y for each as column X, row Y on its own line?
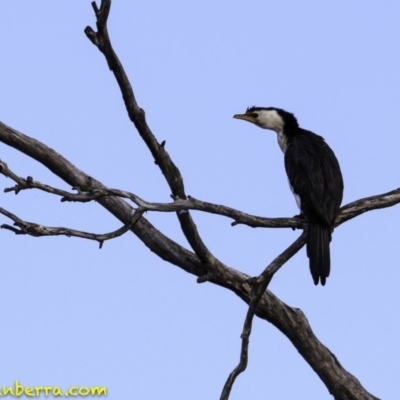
column 315, row 176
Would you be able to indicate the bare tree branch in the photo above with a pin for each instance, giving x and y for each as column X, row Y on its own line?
column 260, row 286
column 33, row 229
column 166, row 248
column 170, row 171
column 346, row 213
column 361, row 206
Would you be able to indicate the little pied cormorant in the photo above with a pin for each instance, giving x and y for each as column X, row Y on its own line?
column 314, row 177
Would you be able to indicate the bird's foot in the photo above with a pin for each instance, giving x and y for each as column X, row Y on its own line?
column 301, row 217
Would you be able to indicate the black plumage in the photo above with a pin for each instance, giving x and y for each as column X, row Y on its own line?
column 315, row 176
column 315, row 179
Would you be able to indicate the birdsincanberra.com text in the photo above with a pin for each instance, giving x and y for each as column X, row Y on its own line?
column 19, row 390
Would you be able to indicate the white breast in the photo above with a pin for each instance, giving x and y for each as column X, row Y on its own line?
column 282, row 141
column 296, row 196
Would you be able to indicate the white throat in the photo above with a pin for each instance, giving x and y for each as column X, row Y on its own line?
column 270, row 119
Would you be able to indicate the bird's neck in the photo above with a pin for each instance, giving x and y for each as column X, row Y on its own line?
column 282, row 140
column 286, row 134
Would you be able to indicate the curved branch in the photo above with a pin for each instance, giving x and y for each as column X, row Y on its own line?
column 170, row 171
column 361, row 206
column 178, row 205
column 33, row 229
column 164, row 247
column 260, row 287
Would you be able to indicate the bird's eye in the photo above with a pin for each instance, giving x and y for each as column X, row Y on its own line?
column 255, row 115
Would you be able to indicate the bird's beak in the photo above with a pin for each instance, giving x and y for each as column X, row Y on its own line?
column 245, row 117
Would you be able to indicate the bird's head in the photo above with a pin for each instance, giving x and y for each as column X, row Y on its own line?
column 272, row 118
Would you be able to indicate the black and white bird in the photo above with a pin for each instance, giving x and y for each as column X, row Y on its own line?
column 314, row 177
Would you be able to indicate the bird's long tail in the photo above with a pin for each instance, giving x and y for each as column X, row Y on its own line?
column 318, row 239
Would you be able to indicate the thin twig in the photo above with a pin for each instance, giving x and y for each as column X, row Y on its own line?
column 260, row 285
column 33, row 229
column 346, row 213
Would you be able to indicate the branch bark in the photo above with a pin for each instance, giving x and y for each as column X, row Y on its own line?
column 260, row 286
column 137, row 115
column 347, row 212
column 36, row 230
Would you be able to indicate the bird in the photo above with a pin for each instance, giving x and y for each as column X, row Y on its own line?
column 314, row 177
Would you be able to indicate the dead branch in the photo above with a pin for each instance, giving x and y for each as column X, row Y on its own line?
column 260, row 286
column 347, row 212
column 33, row 229
column 170, row 171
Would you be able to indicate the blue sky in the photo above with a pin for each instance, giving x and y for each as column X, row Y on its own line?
column 120, row 317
